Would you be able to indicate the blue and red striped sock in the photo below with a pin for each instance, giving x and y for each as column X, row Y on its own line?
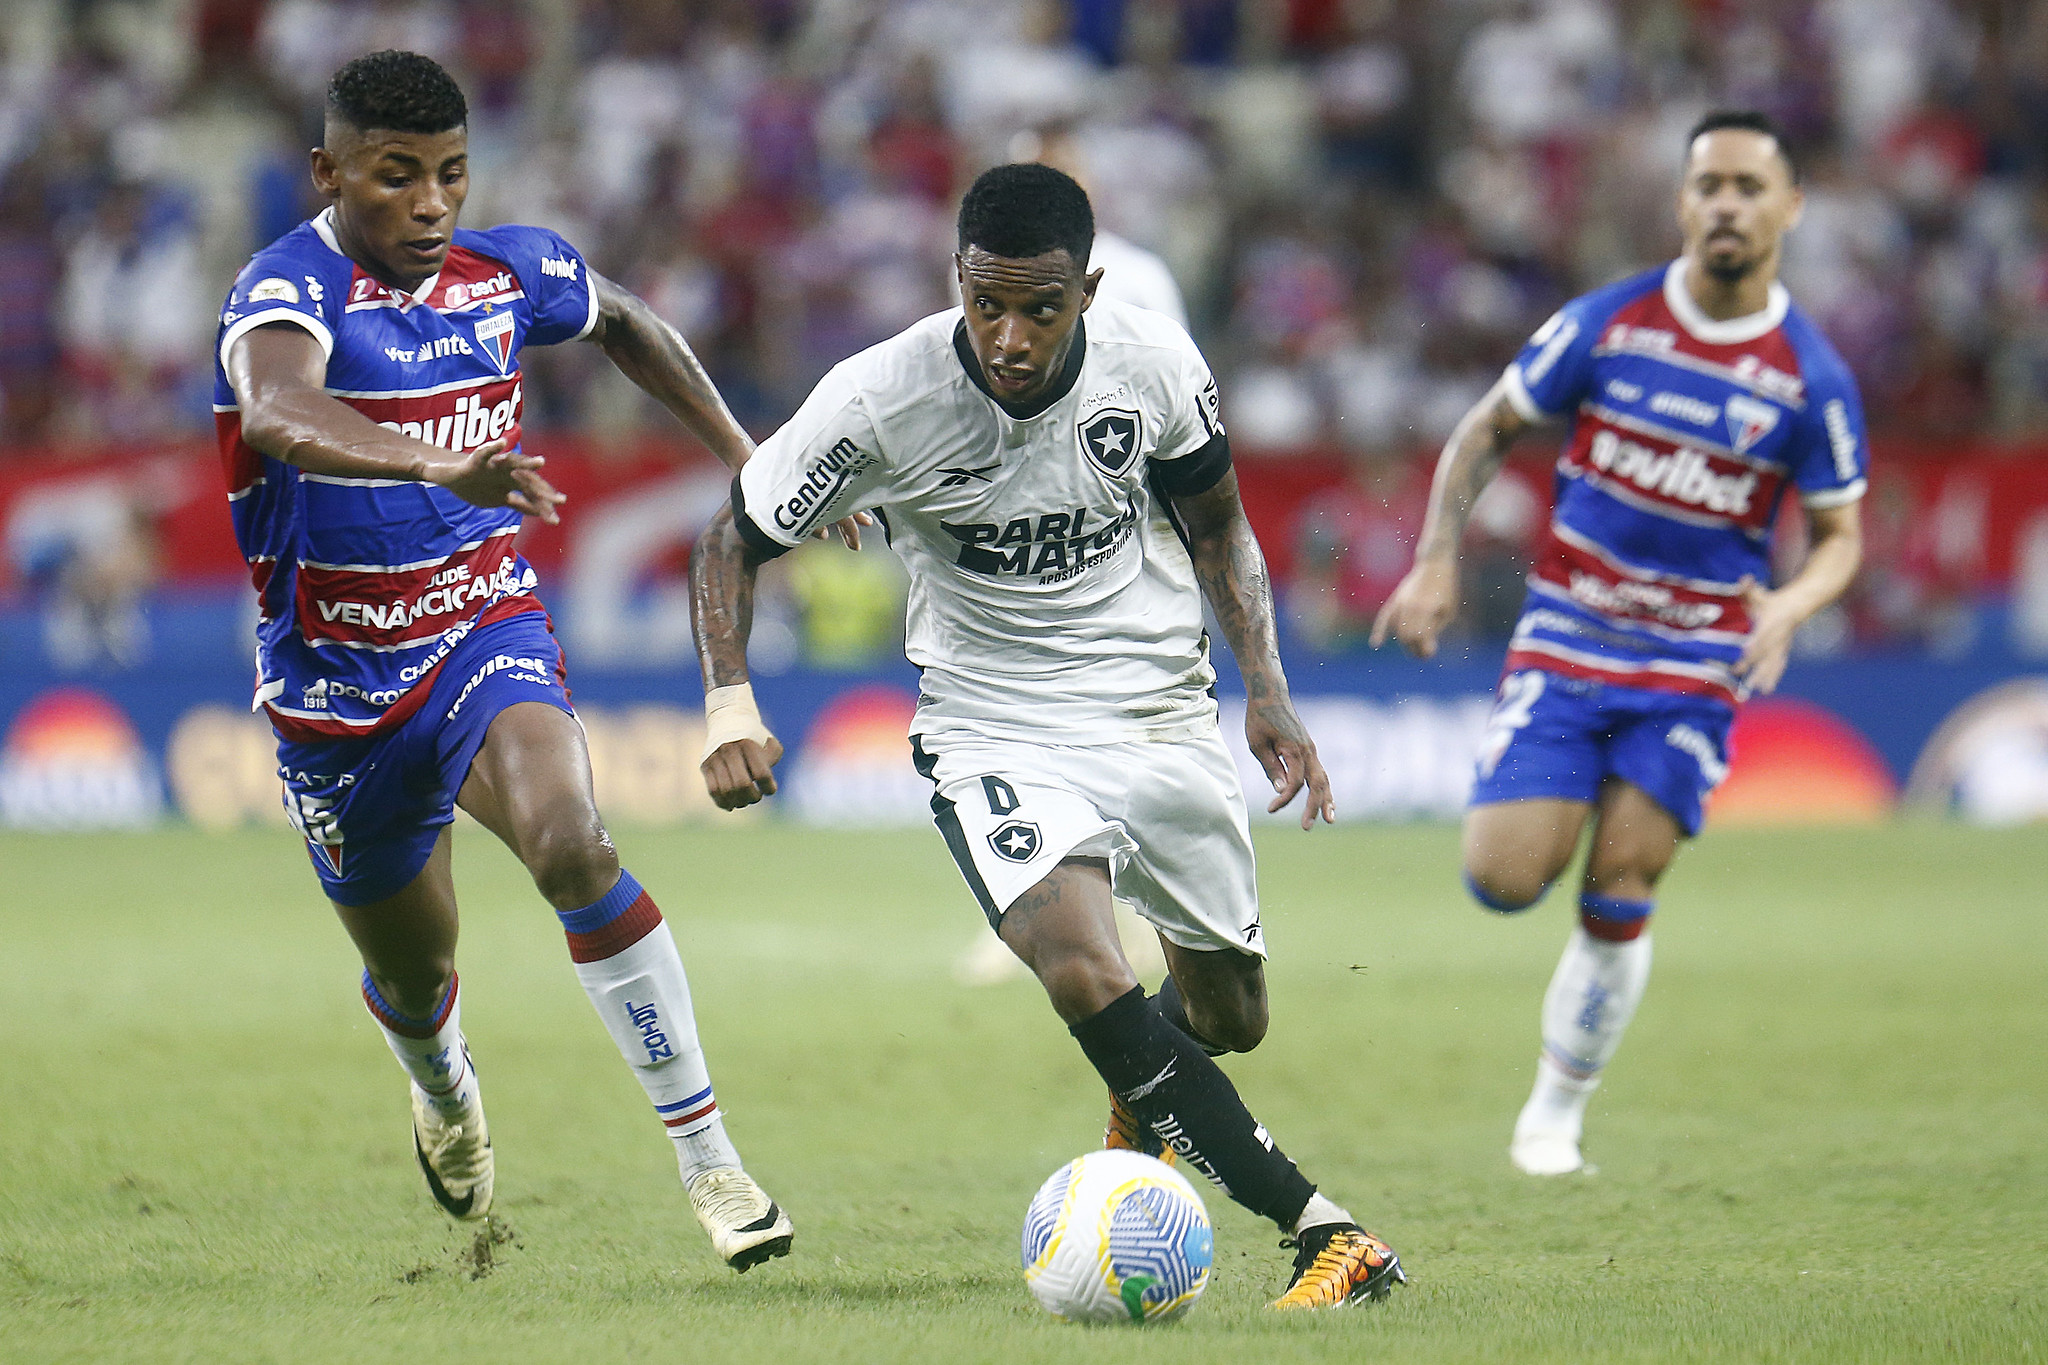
column 628, row 964
column 431, row 1050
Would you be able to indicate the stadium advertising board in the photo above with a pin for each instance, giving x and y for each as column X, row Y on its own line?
column 134, row 746
column 169, row 732
column 71, row 759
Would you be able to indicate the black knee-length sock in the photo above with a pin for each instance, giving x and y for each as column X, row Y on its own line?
column 1167, row 1080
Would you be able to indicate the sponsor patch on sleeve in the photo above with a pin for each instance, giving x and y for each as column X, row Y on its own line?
column 274, row 288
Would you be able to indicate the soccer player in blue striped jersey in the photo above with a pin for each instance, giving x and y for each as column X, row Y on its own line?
column 1698, row 399
column 368, row 400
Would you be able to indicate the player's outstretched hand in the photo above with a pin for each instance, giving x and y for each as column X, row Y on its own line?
column 1772, row 624
column 1281, row 744
column 739, row 773
column 1421, row 606
column 495, row 475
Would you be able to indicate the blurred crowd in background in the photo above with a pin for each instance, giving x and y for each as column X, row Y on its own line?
column 1367, row 204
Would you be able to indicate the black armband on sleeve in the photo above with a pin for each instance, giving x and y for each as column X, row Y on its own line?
column 1198, row 471
column 763, row 545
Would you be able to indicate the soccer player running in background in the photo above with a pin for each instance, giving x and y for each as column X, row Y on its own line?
column 1697, row 398
column 368, row 399
column 1060, row 490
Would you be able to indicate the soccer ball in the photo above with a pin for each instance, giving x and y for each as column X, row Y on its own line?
column 1116, row 1236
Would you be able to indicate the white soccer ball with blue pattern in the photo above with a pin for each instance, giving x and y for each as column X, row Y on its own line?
column 1116, row 1236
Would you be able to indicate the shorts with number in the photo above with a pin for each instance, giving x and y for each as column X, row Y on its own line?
column 1557, row 737
column 372, row 809
column 1169, row 817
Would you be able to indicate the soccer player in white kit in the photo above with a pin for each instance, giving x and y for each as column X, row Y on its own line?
column 1061, row 493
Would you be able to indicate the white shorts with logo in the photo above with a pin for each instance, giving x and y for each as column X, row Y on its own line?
column 1168, row 816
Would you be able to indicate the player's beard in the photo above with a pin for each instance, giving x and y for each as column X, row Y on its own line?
column 1729, row 269
column 1732, row 271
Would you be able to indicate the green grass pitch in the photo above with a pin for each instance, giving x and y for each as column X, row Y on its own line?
column 1826, row 1138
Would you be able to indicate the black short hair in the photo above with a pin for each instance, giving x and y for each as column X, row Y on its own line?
column 1748, row 121
column 1025, row 209
column 400, row 91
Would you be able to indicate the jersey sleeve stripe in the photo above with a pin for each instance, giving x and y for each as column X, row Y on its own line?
column 320, row 330
column 1835, row 497
column 756, row 539
column 589, row 322
column 1518, row 396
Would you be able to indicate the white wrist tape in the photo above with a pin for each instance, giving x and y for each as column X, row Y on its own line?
column 730, row 714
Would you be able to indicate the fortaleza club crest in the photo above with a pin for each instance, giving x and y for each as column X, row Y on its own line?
column 1749, row 421
column 1017, row 841
column 1110, row 439
column 494, row 334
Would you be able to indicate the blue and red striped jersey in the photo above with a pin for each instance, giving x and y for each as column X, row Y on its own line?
column 364, row 585
column 1686, row 433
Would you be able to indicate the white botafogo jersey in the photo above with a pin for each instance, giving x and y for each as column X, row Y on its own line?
column 1051, row 595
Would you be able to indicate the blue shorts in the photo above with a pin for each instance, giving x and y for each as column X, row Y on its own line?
column 371, row 809
column 1558, row 737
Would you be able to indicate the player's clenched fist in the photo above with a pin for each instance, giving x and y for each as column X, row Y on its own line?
column 739, row 753
column 742, row 772
column 1420, row 608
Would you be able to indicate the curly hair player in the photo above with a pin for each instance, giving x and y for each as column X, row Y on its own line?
column 1060, row 490
column 368, row 396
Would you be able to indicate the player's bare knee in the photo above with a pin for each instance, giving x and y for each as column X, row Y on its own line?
column 1505, row 888
column 1235, row 1017
column 1081, row 980
column 1237, row 1029
column 572, row 867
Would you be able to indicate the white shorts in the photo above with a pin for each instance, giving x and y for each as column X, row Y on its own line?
column 1169, row 818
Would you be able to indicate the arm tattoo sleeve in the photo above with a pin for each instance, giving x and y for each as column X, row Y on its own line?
column 722, row 574
column 1232, row 572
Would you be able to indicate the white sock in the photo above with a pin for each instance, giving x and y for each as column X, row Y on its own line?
column 1592, row 997
column 626, row 959
column 1556, row 1106
column 1318, row 1212
column 431, row 1050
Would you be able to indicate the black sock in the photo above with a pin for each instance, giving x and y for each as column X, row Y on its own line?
column 1174, row 1010
column 1166, row 1079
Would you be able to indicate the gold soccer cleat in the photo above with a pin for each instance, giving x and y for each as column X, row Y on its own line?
column 1129, row 1133
column 1340, row 1264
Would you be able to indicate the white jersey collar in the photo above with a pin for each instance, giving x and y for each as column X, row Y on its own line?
column 1721, row 332
column 323, row 223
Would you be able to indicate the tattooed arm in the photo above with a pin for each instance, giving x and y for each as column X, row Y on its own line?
column 1427, row 599
column 722, row 572
column 1233, row 576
